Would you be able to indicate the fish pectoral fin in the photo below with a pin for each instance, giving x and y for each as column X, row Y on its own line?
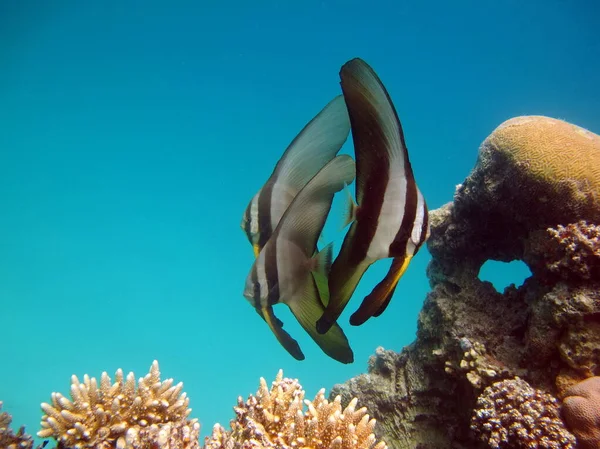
column 376, row 302
column 276, row 326
column 320, row 272
column 307, row 309
column 349, row 208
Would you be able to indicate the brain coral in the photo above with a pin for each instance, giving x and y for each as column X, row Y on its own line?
column 581, row 409
column 560, row 154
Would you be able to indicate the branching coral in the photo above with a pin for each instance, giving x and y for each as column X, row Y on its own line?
column 119, row 415
column 274, row 419
column 580, row 250
column 11, row 440
column 512, row 414
column 581, row 409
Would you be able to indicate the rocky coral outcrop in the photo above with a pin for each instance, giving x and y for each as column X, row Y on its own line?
column 536, row 186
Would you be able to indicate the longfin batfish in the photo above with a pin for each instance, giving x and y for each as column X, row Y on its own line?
column 390, row 218
column 318, row 142
column 288, row 271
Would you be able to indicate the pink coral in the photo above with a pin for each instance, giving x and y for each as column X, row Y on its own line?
column 581, row 409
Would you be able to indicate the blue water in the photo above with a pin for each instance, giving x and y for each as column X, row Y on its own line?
column 133, row 134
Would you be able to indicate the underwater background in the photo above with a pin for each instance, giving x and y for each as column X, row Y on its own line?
column 133, row 134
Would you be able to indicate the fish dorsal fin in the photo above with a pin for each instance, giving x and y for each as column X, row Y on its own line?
column 318, row 142
column 376, row 129
column 303, row 221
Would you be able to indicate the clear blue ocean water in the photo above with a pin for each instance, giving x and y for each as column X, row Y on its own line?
column 134, row 133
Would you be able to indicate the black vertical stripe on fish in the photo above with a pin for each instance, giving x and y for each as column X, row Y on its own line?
column 271, row 273
column 400, row 243
column 264, row 214
column 256, row 293
column 247, row 222
column 424, row 225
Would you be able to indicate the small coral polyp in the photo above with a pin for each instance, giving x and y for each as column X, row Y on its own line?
column 274, row 419
column 119, row 415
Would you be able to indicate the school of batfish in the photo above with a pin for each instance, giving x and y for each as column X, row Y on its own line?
column 285, row 218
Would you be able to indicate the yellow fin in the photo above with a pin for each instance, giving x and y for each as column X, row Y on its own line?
column 376, row 302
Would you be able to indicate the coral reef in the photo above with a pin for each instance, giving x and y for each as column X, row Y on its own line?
column 581, row 409
column 573, row 253
column 11, row 440
column 119, row 415
column 274, row 419
column 518, row 202
column 512, row 414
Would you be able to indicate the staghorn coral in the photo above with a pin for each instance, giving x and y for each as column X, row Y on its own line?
column 119, row 415
column 512, row 414
column 11, row 440
column 579, row 250
column 581, row 409
column 274, row 419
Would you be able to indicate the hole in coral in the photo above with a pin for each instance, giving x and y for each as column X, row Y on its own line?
column 502, row 274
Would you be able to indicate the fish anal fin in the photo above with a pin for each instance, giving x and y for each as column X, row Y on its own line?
column 376, row 302
column 285, row 339
column 307, row 308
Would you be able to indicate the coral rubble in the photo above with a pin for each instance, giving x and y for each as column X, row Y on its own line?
column 11, row 440
column 119, row 415
column 533, row 195
column 274, row 419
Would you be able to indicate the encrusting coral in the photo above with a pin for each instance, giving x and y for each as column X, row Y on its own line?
column 581, row 409
column 579, row 246
column 119, row 415
column 274, row 419
column 11, row 440
column 512, row 414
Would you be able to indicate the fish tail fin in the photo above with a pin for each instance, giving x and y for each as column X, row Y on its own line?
column 282, row 336
column 377, row 301
column 307, row 310
column 343, row 280
column 350, row 206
